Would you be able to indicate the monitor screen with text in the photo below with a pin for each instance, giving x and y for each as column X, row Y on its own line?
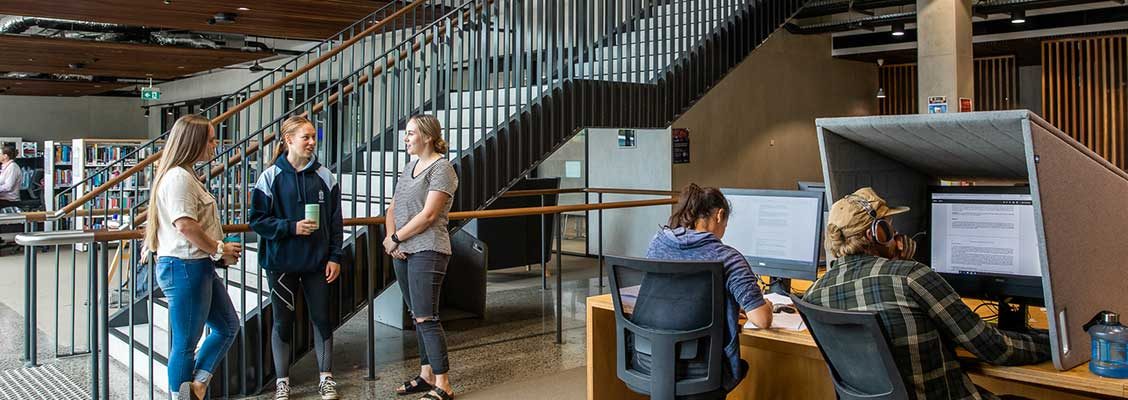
column 984, row 233
column 777, row 231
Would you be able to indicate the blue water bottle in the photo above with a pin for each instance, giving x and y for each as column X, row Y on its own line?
column 1110, row 346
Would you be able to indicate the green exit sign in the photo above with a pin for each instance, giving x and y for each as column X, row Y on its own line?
column 150, row 93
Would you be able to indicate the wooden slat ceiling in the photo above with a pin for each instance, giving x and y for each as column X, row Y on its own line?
column 108, row 59
column 35, row 87
column 299, row 19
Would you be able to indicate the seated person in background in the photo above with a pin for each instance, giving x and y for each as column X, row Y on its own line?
column 923, row 316
column 9, row 177
column 694, row 232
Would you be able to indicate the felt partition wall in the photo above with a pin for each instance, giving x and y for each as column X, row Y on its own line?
column 1079, row 199
column 1084, row 202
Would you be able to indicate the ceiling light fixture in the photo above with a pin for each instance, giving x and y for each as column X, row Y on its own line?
column 1018, row 17
column 256, row 67
column 243, row 9
column 880, row 90
column 898, row 29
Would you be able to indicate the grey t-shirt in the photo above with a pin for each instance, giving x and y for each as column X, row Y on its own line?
column 411, row 195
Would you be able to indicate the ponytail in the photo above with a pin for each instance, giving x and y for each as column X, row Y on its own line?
column 696, row 203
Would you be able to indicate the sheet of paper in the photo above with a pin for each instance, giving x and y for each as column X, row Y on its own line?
column 784, row 321
column 778, row 298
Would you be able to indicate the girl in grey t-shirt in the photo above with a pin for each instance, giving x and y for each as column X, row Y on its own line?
column 420, row 244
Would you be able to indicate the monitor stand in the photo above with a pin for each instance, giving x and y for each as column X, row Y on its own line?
column 780, row 286
column 1012, row 319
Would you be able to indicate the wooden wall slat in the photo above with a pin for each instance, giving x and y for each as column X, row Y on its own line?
column 1084, row 93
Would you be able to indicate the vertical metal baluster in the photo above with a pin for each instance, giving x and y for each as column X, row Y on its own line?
column 543, row 244
column 92, row 326
column 559, row 277
column 103, row 319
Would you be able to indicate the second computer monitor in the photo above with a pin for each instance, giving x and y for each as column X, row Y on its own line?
column 776, row 230
column 984, row 242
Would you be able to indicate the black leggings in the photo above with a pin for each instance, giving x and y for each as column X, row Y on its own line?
column 282, row 290
column 420, row 279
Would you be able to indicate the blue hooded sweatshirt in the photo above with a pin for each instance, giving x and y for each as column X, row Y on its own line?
column 278, row 203
column 741, row 284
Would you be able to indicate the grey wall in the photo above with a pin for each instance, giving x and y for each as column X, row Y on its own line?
column 648, row 166
column 37, row 118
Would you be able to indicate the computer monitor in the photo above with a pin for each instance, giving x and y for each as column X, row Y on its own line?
column 777, row 231
column 984, row 243
column 811, row 186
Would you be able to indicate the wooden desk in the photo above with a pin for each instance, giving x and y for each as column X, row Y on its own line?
column 788, row 365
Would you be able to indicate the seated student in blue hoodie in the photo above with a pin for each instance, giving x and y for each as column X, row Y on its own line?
column 694, row 232
column 296, row 251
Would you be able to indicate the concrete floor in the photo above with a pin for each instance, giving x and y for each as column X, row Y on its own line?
column 513, row 343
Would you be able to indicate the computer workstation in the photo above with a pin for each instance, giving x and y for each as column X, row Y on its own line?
column 778, row 232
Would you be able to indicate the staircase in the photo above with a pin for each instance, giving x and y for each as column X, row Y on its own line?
column 511, row 81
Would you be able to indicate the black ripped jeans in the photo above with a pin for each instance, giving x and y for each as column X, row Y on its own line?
column 420, row 279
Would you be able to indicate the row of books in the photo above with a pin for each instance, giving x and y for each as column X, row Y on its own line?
column 63, row 154
column 107, row 153
column 63, row 177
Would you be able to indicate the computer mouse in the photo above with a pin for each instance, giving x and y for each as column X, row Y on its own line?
column 787, row 308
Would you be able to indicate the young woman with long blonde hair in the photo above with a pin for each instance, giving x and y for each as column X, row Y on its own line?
column 184, row 231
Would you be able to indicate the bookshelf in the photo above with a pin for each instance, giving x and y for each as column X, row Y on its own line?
column 88, row 156
column 57, row 171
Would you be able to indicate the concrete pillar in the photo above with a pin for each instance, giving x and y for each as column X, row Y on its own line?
column 944, row 52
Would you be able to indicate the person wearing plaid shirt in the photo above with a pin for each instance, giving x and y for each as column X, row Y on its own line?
column 923, row 316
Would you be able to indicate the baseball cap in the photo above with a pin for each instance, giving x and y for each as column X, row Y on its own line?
column 849, row 214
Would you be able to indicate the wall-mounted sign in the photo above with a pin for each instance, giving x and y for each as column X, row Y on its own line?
column 150, row 93
column 627, row 139
column 965, row 104
column 680, row 145
column 937, row 104
column 572, row 169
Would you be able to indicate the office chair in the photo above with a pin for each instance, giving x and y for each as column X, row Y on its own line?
column 856, row 342
column 669, row 341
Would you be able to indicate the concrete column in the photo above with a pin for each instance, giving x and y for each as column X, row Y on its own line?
column 944, row 52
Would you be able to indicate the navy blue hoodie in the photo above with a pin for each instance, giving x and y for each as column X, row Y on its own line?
column 278, row 203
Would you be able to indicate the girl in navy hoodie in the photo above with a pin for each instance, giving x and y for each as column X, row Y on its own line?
column 296, row 251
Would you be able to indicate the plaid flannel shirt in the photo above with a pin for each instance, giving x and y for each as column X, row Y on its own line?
column 925, row 319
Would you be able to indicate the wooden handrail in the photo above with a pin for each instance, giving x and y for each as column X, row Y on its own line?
column 541, row 192
column 109, row 236
column 239, row 107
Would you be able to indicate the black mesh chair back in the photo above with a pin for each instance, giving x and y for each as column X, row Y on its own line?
column 669, row 325
column 856, row 349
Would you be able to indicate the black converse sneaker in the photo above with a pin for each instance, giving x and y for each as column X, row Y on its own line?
column 282, row 390
column 328, row 389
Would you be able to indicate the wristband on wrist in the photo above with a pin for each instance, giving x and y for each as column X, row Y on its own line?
column 218, row 251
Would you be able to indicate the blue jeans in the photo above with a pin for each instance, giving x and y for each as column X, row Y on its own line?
column 196, row 297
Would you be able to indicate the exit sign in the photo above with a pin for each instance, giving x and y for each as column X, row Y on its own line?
column 150, row 93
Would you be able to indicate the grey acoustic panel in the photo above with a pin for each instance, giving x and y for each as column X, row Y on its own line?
column 978, row 144
column 1084, row 223
column 850, row 166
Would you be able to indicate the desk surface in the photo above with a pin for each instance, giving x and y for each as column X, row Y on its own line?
column 1078, row 379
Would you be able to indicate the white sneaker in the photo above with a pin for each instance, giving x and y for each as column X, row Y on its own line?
column 328, row 389
column 282, row 390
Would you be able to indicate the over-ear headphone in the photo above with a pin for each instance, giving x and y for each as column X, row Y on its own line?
column 880, row 230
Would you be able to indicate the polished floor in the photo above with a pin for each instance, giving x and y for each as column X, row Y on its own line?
column 513, row 346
